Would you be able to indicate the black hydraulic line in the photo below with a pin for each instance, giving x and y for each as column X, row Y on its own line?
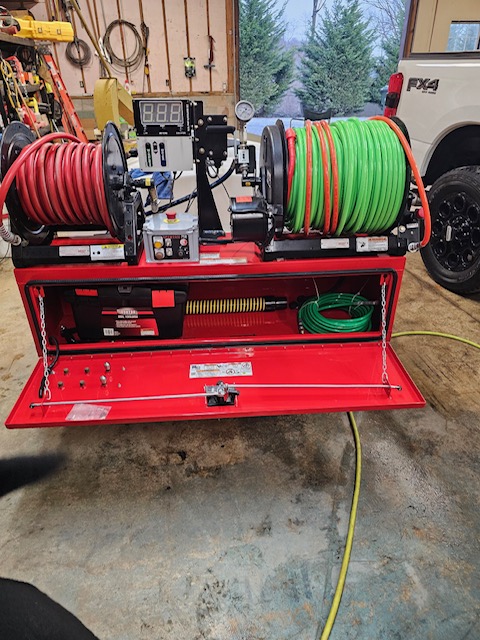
column 192, row 195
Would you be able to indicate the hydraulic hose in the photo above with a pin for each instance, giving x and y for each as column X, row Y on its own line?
column 349, row 177
column 313, row 319
column 60, row 183
column 192, row 195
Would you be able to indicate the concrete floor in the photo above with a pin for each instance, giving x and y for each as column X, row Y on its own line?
column 235, row 529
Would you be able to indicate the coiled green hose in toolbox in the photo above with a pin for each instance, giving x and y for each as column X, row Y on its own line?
column 371, row 178
column 359, row 309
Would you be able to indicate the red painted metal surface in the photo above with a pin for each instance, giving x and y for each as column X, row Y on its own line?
column 168, row 373
column 270, row 343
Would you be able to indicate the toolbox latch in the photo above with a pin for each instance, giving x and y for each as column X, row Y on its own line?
column 220, row 394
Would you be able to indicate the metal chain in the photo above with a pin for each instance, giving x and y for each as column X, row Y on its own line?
column 385, row 379
column 43, row 332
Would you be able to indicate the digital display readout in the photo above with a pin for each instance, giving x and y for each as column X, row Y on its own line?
column 161, row 113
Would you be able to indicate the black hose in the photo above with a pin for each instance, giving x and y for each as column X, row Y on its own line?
column 78, row 53
column 192, row 195
column 131, row 62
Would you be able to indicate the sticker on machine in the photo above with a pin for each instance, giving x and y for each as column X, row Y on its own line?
column 335, row 243
column 73, row 251
column 372, row 244
column 221, row 370
column 82, row 412
column 107, row 252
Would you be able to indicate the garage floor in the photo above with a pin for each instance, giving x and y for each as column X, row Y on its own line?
column 235, row 529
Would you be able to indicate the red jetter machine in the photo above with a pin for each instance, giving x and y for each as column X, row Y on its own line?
column 148, row 316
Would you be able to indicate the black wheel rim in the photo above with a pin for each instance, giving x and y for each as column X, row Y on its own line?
column 455, row 240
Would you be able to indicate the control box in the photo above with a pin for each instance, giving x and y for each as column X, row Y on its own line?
column 164, row 130
column 171, row 237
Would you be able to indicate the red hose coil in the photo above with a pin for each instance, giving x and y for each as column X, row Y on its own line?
column 308, row 204
column 290, row 135
column 333, row 162
column 326, row 177
column 60, row 184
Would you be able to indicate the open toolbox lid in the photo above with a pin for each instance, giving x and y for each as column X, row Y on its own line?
column 154, row 386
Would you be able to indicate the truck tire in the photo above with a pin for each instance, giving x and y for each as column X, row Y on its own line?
column 452, row 256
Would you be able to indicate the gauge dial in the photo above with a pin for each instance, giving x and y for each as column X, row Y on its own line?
column 244, row 110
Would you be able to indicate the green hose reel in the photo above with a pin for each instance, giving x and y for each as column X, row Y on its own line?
column 372, row 178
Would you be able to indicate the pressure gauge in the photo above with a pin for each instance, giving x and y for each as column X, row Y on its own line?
column 244, row 110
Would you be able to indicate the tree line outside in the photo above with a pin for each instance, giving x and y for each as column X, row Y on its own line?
column 349, row 51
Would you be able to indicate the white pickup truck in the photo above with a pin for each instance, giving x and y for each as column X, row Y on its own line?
column 438, row 98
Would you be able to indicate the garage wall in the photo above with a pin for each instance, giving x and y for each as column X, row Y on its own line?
column 433, row 22
column 178, row 28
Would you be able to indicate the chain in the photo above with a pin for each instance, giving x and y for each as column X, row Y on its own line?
column 385, row 379
column 43, row 332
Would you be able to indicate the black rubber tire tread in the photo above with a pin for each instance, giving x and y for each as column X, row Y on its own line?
column 464, row 282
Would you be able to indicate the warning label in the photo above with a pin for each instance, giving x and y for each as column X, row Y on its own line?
column 372, row 244
column 221, row 370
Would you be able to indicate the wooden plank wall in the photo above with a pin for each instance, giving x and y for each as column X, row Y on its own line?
column 178, row 28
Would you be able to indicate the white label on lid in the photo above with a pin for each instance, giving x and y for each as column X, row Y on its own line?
column 74, row 251
column 83, row 411
column 335, row 243
column 221, row 370
column 107, row 252
column 372, row 244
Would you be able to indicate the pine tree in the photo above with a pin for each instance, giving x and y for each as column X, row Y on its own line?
column 337, row 61
column 266, row 68
column 387, row 62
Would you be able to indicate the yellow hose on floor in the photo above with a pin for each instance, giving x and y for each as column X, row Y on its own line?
column 351, row 529
column 438, row 334
column 356, row 492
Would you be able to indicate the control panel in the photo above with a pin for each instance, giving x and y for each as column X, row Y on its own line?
column 171, row 238
column 164, row 131
column 171, row 247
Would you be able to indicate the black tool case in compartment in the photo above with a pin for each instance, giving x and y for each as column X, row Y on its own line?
column 126, row 311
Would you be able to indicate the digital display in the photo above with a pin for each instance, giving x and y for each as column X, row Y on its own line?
column 161, row 112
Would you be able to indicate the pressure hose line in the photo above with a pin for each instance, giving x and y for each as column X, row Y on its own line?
column 349, row 177
column 59, row 184
column 12, row 172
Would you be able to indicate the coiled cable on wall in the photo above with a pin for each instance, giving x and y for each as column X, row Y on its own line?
column 129, row 62
column 78, row 53
column 349, row 177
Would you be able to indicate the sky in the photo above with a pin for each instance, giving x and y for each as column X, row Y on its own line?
column 297, row 16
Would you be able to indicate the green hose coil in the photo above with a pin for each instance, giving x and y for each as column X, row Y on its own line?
column 358, row 308
column 372, row 176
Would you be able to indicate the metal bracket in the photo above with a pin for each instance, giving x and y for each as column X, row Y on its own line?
column 220, row 394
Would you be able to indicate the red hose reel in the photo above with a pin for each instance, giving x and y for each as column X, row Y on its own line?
column 62, row 184
column 49, row 184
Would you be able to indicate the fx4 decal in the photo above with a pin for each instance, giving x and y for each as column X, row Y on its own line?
column 423, row 84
